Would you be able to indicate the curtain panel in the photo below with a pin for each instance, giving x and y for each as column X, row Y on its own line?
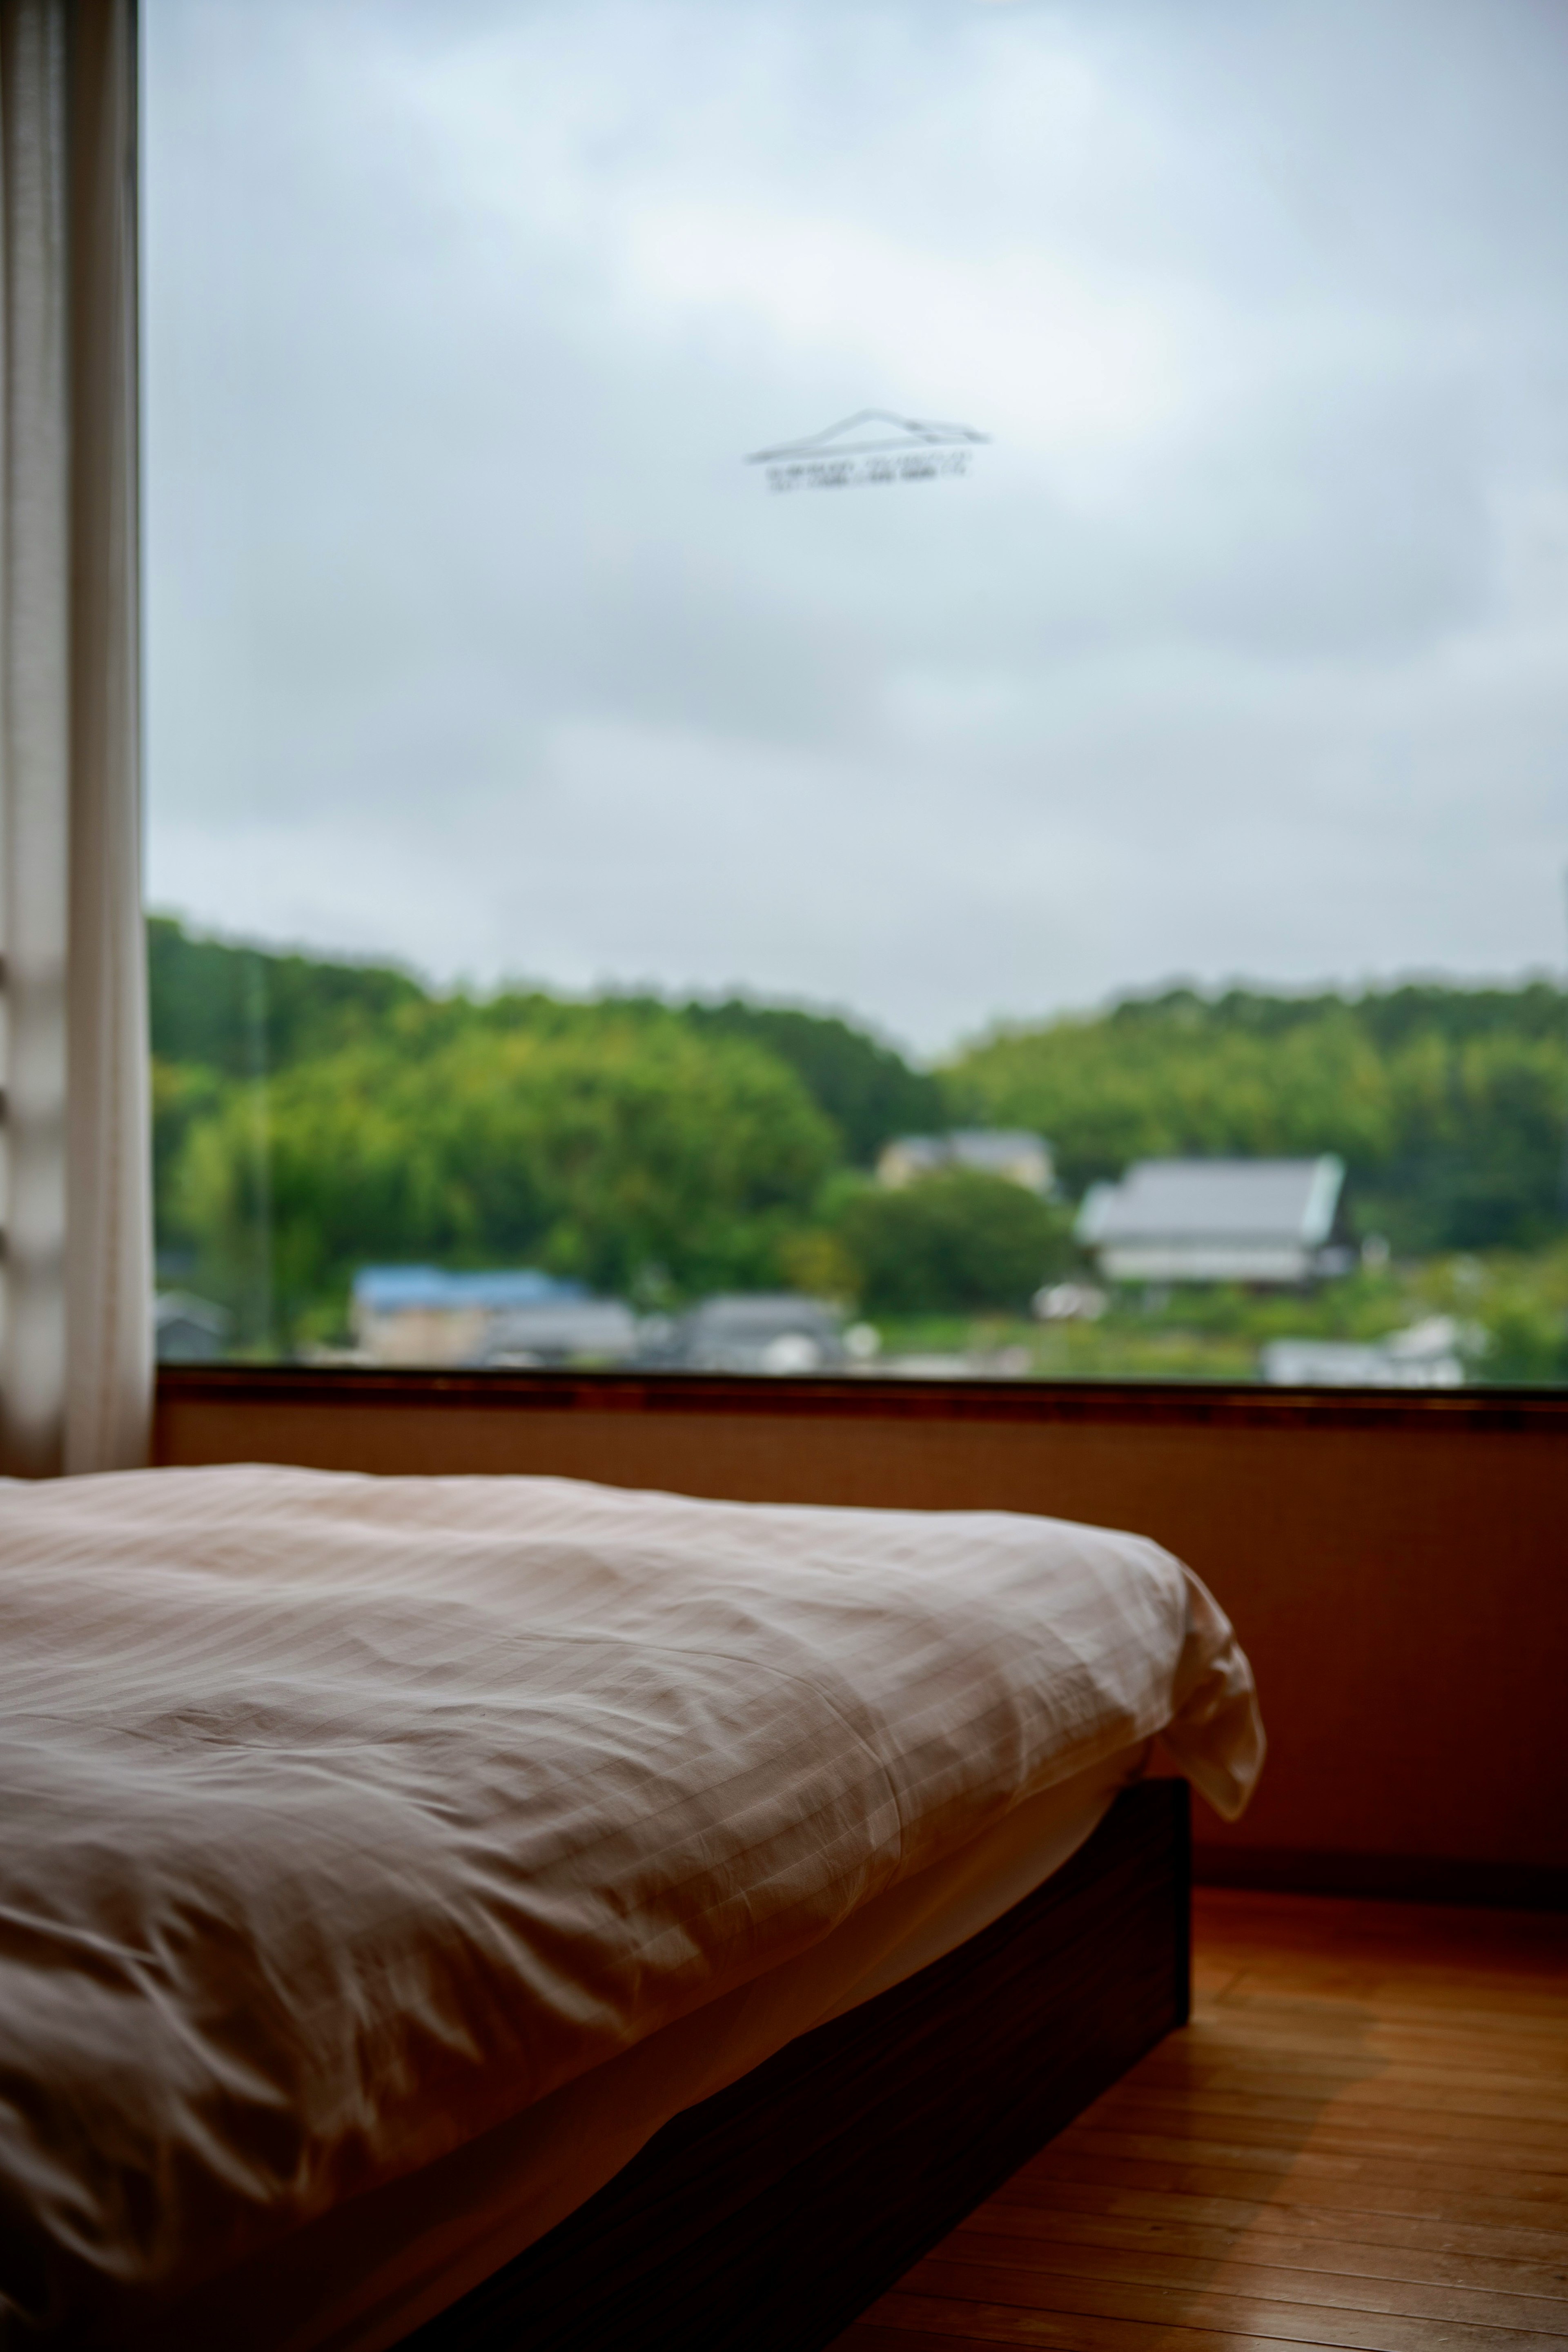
column 76, row 1346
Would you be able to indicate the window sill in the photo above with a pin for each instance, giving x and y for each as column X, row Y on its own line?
column 1121, row 1403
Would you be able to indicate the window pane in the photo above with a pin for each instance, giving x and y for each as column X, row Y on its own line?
column 844, row 683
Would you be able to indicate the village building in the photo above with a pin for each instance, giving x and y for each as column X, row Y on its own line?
column 422, row 1315
column 188, row 1331
column 1275, row 1221
column 561, row 1331
column 756, row 1331
column 1426, row 1355
column 1010, row 1152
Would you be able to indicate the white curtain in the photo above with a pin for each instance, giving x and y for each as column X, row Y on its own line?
column 76, row 1273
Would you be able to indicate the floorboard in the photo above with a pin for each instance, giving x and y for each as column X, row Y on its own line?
column 1361, row 2140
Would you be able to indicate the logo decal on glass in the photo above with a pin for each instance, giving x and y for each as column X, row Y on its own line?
column 871, row 447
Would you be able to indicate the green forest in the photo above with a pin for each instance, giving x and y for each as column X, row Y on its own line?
column 314, row 1116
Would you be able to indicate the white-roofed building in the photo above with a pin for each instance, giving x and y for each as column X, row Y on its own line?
column 1263, row 1221
column 1428, row 1355
column 1010, row 1152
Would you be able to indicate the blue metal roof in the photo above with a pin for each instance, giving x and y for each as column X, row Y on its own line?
column 394, row 1289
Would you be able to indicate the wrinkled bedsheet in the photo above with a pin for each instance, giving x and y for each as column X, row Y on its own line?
column 344, row 1817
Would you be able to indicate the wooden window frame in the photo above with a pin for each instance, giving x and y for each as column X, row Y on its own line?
column 1126, row 1404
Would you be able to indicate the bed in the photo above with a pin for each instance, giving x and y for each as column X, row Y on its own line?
column 457, row 1910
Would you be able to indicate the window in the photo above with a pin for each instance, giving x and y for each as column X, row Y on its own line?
column 860, row 685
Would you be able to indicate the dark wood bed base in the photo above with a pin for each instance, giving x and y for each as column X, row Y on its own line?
column 767, row 2217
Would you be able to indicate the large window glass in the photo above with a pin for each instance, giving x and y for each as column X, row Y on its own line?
column 853, row 684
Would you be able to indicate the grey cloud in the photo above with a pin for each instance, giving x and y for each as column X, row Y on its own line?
column 472, row 639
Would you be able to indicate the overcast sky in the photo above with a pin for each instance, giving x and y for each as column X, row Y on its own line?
column 1242, row 649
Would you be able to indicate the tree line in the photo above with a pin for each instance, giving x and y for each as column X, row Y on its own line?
column 311, row 1116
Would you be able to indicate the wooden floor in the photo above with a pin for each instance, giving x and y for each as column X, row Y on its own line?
column 1361, row 2139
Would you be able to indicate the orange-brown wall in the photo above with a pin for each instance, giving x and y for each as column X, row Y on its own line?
column 1398, row 1570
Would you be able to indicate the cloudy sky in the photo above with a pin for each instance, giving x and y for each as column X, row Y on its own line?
column 1242, row 648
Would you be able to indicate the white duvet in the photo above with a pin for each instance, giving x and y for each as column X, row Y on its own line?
column 344, row 1817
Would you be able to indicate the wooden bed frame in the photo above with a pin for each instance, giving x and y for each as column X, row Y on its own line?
column 767, row 2217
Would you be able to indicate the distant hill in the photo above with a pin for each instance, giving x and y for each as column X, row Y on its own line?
column 637, row 1142
column 655, row 1151
column 1448, row 1104
column 866, row 1088
column 235, row 1008
column 223, row 1006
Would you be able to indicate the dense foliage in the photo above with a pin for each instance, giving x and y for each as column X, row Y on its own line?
column 312, row 1117
column 656, row 1152
column 956, row 1242
column 244, row 1010
column 868, row 1090
column 624, row 1150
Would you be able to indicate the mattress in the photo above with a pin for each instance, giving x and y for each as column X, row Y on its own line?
column 365, row 2275
column 355, row 1822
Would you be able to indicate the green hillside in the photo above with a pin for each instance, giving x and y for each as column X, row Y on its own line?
column 311, row 1116
column 1448, row 1105
column 238, row 1010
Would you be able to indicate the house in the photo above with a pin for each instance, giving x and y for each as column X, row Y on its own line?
column 1266, row 1220
column 1011, row 1152
column 1428, row 1355
column 188, row 1331
column 560, row 1331
column 422, row 1315
column 756, row 1332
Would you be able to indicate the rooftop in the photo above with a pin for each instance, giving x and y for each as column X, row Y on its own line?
column 1014, row 1152
column 404, row 1289
column 1263, row 1201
